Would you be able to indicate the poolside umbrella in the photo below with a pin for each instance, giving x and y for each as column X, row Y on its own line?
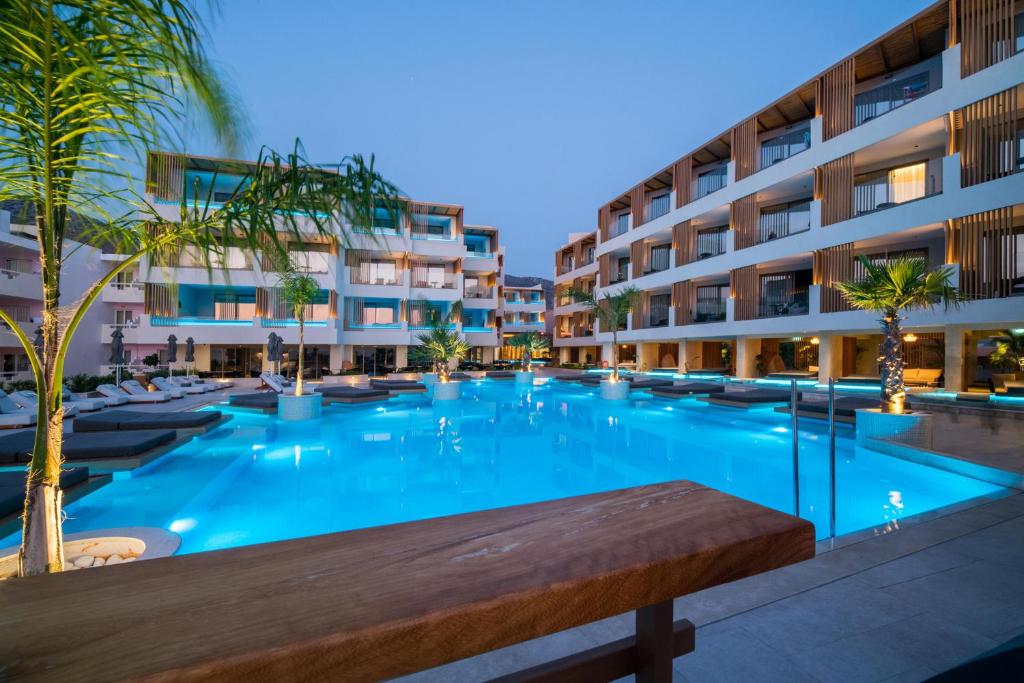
column 190, row 351
column 172, row 352
column 117, row 352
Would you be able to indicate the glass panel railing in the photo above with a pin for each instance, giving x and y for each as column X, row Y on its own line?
column 657, row 207
column 711, row 242
column 883, row 99
column 885, row 189
column 776, row 222
column 776, row 305
column 784, row 146
column 710, row 181
column 433, row 280
column 478, row 292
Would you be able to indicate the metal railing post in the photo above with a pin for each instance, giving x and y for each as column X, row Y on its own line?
column 794, row 400
column 832, row 457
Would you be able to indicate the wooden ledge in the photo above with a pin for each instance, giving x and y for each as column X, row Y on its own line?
column 386, row 601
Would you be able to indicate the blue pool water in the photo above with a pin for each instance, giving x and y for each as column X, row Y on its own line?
column 259, row 480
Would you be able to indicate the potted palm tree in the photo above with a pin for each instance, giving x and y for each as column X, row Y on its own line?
column 612, row 312
column 299, row 289
column 892, row 289
column 531, row 343
column 441, row 347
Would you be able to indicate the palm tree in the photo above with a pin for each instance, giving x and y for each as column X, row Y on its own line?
column 1009, row 353
column 612, row 311
column 299, row 290
column 442, row 344
column 87, row 87
column 530, row 342
column 890, row 288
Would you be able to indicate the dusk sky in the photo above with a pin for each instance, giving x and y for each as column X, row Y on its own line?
column 530, row 114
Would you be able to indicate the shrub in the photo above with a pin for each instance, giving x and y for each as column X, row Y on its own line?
column 83, row 383
column 20, row 385
column 152, row 360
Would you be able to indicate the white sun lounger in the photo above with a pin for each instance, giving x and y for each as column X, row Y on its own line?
column 29, row 401
column 174, row 390
column 145, row 397
column 218, row 384
column 84, row 403
column 13, row 416
column 188, row 386
column 134, row 388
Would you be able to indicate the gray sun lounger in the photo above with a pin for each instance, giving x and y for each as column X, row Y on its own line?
column 746, row 399
column 398, row 385
column 688, row 389
column 650, row 383
column 846, row 408
column 500, row 374
column 102, row 451
column 115, row 420
column 263, row 401
column 352, row 394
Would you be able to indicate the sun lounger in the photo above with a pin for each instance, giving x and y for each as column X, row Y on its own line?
column 74, row 484
column 12, row 415
column 570, row 378
column 500, row 374
column 687, row 389
column 845, row 408
column 84, row 403
column 134, row 420
column 145, row 397
column 352, row 394
column 262, row 401
column 398, row 385
column 641, row 383
column 212, row 385
column 29, row 401
column 460, row 376
column 595, row 380
column 278, row 383
column 134, row 388
column 792, row 374
column 114, row 398
column 103, row 451
column 746, row 399
column 164, row 384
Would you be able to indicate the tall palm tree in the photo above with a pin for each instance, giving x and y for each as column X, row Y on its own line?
column 612, row 311
column 531, row 342
column 442, row 344
column 891, row 288
column 86, row 88
column 300, row 290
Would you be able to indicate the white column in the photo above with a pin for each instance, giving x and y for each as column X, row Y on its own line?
column 956, row 356
column 747, row 349
column 401, row 356
column 830, row 357
column 692, row 350
column 606, row 353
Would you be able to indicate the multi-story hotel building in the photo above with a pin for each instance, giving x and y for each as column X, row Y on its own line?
column 523, row 311
column 911, row 146
column 380, row 286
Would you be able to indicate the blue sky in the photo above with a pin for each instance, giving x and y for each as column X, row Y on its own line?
column 531, row 114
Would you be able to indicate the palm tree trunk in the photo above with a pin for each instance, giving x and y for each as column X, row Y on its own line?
column 891, row 359
column 615, row 353
column 302, row 352
column 526, row 359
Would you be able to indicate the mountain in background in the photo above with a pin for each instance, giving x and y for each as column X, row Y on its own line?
column 529, row 281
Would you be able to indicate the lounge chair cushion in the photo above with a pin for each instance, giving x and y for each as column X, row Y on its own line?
column 690, row 389
column 758, row 396
column 651, row 383
column 396, row 384
column 352, row 392
column 15, row 448
column 501, row 374
column 114, row 420
column 261, row 399
column 844, row 405
column 12, row 487
column 7, row 404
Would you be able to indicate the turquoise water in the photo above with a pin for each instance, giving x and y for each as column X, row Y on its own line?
column 259, row 480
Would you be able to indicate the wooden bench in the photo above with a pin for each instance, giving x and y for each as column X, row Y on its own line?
column 381, row 602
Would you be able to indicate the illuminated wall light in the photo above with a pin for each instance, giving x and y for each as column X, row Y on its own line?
column 910, row 337
column 815, row 341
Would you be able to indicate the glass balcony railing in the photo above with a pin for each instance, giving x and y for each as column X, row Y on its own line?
column 427, row 280
column 479, row 292
column 886, row 189
column 782, row 221
column 657, row 207
column 776, row 306
column 619, row 225
column 711, row 242
column 784, row 146
column 710, row 181
column 885, row 98
column 181, row 320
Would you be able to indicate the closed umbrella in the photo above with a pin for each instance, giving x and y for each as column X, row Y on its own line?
column 172, row 352
column 190, row 351
column 272, row 347
column 117, row 352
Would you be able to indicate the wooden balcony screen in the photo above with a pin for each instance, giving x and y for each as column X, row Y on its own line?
column 744, row 148
column 743, row 220
column 832, row 265
column 577, row 254
column 604, row 270
column 640, row 311
column 682, row 297
column 636, row 204
column 986, row 33
column 604, row 219
column 833, row 187
column 835, row 99
column 743, row 283
column 684, row 241
column 982, row 244
column 165, row 176
column 159, row 300
column 638, row 257
column 682, row 178
column 988, row 139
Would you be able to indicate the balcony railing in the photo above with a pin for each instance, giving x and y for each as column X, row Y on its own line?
column 795, row 303
column 886, row 189
column 178, row 321
column 434, row 281
column 358, row 278
column 659, row 260
column 478, row 292
column 122, row 286
column 657, row 207
column 710, row 303
column 784, row 146
column 781, row 221
column 711, row 242
column 619, row 225
column 566, row 266
column 710, row 181
column 883, row 99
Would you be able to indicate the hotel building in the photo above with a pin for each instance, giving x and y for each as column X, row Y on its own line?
column 379, row 286
column 912, row 146
column 524, row 311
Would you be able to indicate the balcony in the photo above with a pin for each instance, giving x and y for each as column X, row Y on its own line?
column 428, row 280
column 371, row 276
column 711, row 242
column 619, row 225
column 710, row 181
column 887, row 188
column 885, row 98
column 124, row 293
column 781, row 147
column 479, row 292
column 783, row 220
column 657, row 206
column 659, row 259
column 711, row 304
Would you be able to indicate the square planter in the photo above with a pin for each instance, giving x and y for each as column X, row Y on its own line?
column 293, row 408
column 912, row 429
column 524, row 377
column 614, row 391
column 446, row 391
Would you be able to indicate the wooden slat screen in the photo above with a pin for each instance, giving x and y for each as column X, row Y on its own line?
column 159, row 300
column 684, row 241
column 165, row 176
column 743, row 221
column 988, row 143
column 983, row 246
column 638, row 258
column 682, row 302
column 639, row 312
column 743, row 287
column 604, row 270
column 636, row 205
column 332, row 305
column 833, row 186
column 836, row 89
column 604, row 218
column 577, row 254
column 832, row 265
column 744, row 148
column 682, row 177
column 986, row 34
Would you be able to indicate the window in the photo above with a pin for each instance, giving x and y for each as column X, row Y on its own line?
column 784, row 219
column 710, row 301
column 621, row 224
column 381, row 272
column 885, row 98
column 659, row 206
column 377, row 313
column 710, row 181
column 660, row 257
column 711, row 242
column 775, row 149
column 659, row 309
column 622, row 269
column 124, row 317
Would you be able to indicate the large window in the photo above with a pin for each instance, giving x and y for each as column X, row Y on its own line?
column 660, row 258
column 775, row 149
column 373, row 360
column 660, row 304
column 890, row 187
column 710, row 181
column 710, row 303
column 659, row 206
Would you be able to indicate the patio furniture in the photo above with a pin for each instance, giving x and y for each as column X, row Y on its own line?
column 1001, row 382
column 922, row 377
column 861, row 380
column 261, row 401
column 415, row 595
column 687, row 389
column 398, row 386
column 115, row 397
column 172, row 385
column 101, row 451
column 500, row 374
column 845, row 408
column 792, row 374
column 144, row 397
column 12, row 415
column 213, row 385
column 749, row 399
column 341, row 394
column 163, row 385
column 641, row 383
column 29, row 401
column 85, row 404
column 200, row 421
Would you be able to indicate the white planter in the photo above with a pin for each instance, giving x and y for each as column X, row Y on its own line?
column 524, row 377
column 293, row 408
column 614, row 391
column 912, row 429
column 429, row 378
column 447, row 391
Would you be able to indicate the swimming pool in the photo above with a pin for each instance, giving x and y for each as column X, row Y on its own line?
column 259, row 479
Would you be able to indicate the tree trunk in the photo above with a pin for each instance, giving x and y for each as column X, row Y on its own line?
column 891, row 364
column 526, row 359
column 302, row 353
column 615, row 353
